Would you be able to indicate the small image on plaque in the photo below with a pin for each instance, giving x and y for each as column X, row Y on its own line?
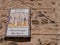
column 19, row 23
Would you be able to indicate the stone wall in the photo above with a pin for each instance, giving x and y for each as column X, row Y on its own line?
column 45, row 21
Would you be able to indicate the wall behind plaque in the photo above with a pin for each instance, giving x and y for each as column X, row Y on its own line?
column 45, row 16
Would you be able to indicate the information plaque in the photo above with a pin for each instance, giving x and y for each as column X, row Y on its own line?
column 19, row 23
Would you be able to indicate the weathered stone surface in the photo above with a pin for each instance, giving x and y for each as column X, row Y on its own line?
column 44, row 31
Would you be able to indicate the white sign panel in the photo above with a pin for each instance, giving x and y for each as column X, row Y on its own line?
column 19, row 23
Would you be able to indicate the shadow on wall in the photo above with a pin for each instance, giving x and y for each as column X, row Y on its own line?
column 18, row 39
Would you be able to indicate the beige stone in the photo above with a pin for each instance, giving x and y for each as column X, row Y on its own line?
column 48, row 33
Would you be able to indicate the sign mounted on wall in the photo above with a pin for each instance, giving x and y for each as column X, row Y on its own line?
column 19, row 23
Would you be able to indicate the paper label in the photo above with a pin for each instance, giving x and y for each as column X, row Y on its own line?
column 19, row 23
